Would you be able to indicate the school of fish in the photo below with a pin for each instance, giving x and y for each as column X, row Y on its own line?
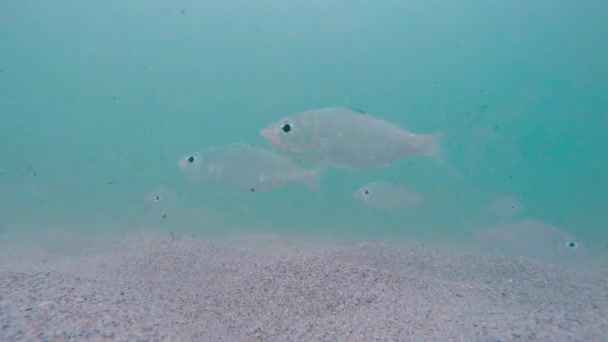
column 339, row 137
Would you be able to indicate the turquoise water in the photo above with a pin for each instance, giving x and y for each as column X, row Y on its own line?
column 99, row 100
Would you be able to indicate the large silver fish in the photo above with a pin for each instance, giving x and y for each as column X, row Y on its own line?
column 247, row 167
column 344, row 137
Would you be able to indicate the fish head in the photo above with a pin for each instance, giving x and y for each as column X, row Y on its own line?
column 161, row 202
column 190, row 161
column 363, row 193
column 192, row 164
column 572, row 248
column 290, row 135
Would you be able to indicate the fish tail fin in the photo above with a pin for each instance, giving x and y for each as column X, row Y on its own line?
column 432, row 147
column 312, row 178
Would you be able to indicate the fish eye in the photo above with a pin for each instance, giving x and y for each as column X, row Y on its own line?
column 286, row 128
column 366, row 192
column 191, row 159
column 157, row 198
column 571, row 244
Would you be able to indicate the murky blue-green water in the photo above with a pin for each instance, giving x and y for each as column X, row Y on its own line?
column 99, row 100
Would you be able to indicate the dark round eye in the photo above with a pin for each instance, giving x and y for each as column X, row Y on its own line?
column 571, row 244
column 366, row 192
column 191, row 159
column 157, row 198
column 286, row 128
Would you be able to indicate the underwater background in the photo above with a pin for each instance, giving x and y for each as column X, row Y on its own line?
column 99, row 101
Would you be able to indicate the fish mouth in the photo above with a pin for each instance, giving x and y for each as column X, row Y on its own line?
column 271, row 135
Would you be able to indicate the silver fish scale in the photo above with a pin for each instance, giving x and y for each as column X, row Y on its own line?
column 343, row 137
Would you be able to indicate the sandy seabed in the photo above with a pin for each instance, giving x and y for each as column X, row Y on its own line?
column 159, row 287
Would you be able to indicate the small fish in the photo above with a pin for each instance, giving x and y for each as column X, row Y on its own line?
column 384, row 195
column 245, row 167
column 348, row 138
column 159, row 195
column 162, row 202
column 530, row 238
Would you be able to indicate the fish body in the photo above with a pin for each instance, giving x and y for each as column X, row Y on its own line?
column 347, row 138
column 385, row 195
column 530, row 238
column 246, row 167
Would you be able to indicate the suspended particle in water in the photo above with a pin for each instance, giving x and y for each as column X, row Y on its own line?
column 506, row 207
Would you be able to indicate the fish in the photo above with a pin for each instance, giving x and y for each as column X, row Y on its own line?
column 530, row 238
column 386, row 195
column 162, row 202
column 348, row 138
column 246, row 167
